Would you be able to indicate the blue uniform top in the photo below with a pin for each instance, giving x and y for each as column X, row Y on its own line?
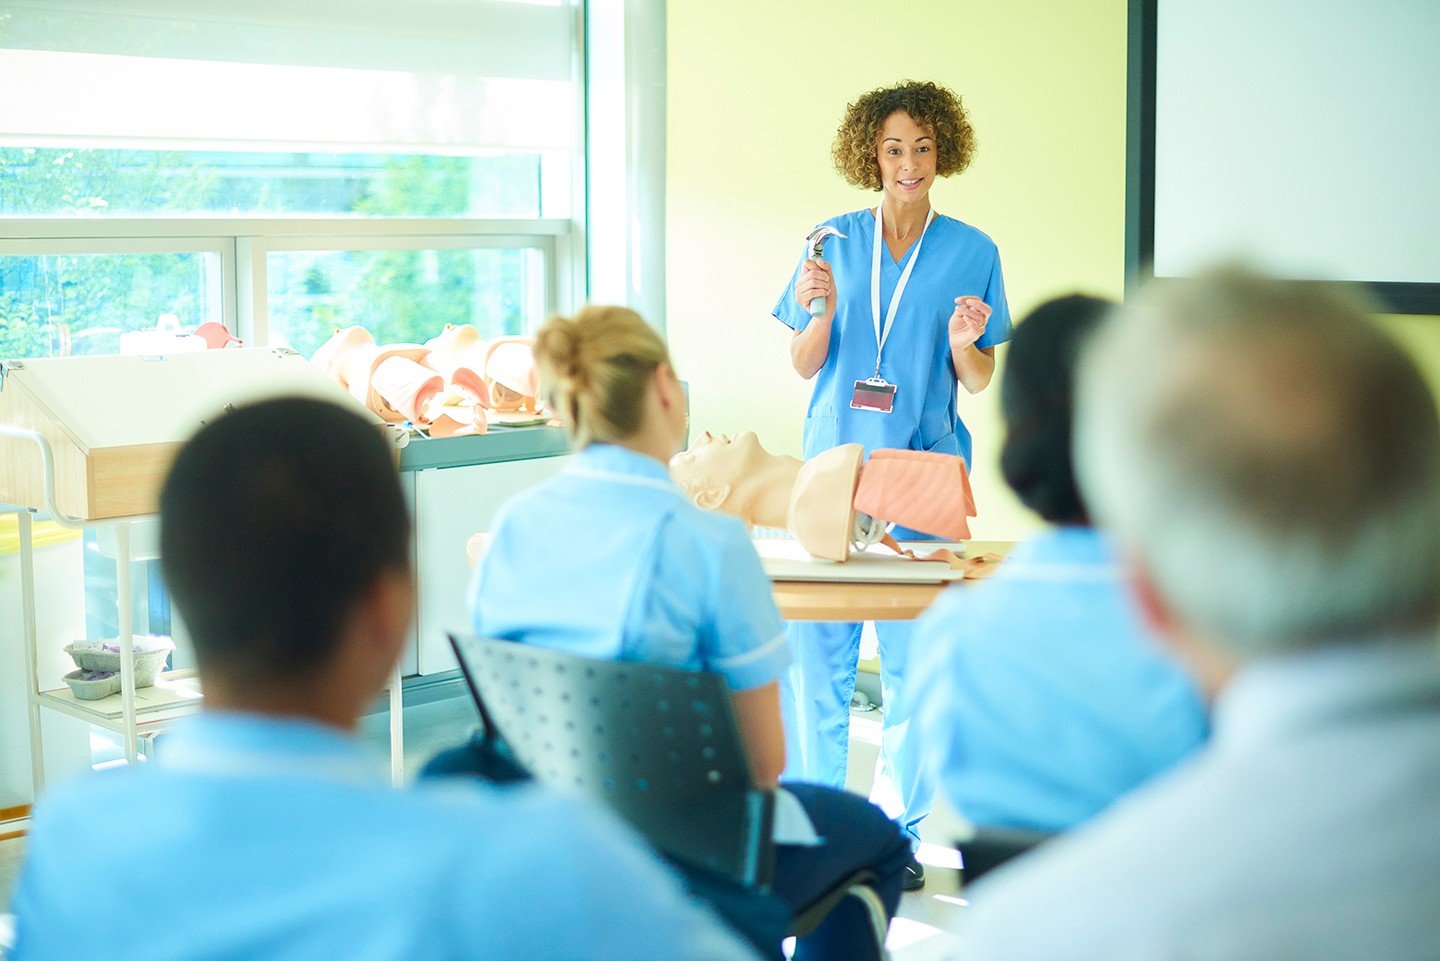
column 610, row 559
column 1043, row 697
column 254, row 837
column 956, row 260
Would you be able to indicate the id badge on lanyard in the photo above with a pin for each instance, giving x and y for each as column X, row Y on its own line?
column 875, row 392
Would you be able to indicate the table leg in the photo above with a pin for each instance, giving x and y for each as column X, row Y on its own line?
column 32, row 651
column 123, row 591
column 397, row 729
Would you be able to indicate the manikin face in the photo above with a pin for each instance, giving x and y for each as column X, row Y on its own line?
column 738, row 477
column 745, row 480
column 714, row 462
column 906, row 154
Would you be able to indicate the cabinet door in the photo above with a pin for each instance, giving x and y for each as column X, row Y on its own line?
column 451, row 504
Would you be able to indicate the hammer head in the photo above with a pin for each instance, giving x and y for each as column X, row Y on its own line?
column 815, row 241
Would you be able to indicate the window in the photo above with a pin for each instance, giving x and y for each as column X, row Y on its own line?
column 91, row 182
column 62, row 304
column 287, row 170
column 405, row 295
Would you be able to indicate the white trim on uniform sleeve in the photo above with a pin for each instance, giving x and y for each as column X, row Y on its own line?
column 754, row 654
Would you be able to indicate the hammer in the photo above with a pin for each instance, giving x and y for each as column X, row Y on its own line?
column 814, row 249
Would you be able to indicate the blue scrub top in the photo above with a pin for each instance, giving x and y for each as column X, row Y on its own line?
column 956, row 260
column 610, row 559
column 256, row 837
column 1043, row 698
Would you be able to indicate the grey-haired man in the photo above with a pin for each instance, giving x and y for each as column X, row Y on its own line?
column 1269, row 462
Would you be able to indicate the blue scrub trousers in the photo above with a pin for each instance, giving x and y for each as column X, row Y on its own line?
column 816, row 695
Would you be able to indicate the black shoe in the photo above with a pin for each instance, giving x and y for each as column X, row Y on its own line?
column 914, row 877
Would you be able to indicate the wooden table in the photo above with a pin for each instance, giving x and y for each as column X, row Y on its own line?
column 851, row 601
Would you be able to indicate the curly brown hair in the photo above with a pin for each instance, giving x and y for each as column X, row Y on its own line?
column 930, row 105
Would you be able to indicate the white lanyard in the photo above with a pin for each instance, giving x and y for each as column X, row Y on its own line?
column 883, row 333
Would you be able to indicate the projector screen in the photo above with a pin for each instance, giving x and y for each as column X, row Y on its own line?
column 1302, row 136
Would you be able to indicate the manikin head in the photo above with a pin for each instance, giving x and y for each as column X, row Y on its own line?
column 512, row 374
column 1268, row 460
column 816, row 500
column 812, row 499
column 737, row 476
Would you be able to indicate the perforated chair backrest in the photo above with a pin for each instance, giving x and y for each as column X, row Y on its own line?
column 660, row 746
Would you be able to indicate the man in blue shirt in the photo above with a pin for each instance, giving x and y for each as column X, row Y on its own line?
column 1268, row 462
column 263, row 829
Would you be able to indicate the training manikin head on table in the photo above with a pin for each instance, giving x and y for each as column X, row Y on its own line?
column 737, row 476
column 830, row 502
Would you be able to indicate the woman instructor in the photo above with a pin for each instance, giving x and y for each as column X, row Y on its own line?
column 913, row 304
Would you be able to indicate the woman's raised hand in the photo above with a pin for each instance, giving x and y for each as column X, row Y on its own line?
column 967, row 323
column 816, row 280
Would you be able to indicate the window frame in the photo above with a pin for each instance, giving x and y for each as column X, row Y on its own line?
column 244, row 240
column 632, row 84
column 54, row 243
column 243, row 244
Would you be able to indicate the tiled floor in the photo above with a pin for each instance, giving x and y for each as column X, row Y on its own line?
column 918, row 934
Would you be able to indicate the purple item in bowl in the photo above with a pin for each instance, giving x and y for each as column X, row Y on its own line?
column 151, row 653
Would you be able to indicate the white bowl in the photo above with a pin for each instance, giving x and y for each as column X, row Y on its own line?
column 92, row 690
column 148, row 664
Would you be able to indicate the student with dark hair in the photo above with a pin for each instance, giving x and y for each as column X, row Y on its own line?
column 263, row 829
column 1045, row 701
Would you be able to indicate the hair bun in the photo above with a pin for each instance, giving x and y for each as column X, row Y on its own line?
column 594, row 368
column 559, row 346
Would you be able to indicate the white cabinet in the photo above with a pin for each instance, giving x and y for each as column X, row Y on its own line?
column 451, row 504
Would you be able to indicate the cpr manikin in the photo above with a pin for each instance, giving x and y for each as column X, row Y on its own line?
column 393, row 381
column 830, row 503
column 739, row 477
column 445, row 386
column 511, row 375
column 458, row 353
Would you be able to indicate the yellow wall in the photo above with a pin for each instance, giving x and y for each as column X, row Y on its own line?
column 756, row 88
column 1422, row 336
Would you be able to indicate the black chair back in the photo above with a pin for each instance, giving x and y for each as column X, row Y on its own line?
column 660, row 746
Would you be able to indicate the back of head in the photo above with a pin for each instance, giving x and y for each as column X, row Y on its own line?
column 1037, row 398
column 1273, row 457
column 274, row 521
column 594, row 368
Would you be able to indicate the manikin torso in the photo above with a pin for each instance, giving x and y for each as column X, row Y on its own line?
column 816, row 500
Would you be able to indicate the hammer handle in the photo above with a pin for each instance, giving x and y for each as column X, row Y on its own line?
column 817, row 304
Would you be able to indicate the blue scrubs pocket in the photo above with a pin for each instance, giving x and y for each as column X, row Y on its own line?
column 956, row 442
column 949, row 444
column 821, row 433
